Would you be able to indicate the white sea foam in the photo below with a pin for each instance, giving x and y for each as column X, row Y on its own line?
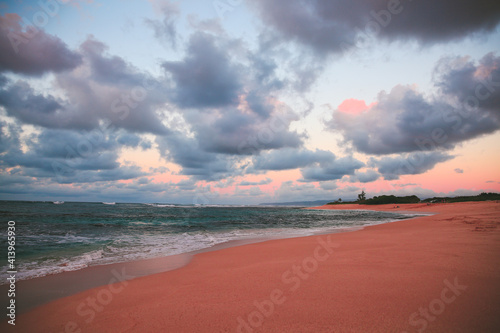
column 139, row 223
column 160, row 205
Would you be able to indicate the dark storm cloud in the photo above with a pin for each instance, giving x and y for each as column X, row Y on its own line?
column 206, row 77
column 64, row 156
column 333, row 170
column 109, row 69
column 236, row 132
column 256, row 102
column 130, row 140
column 133, row 141
column 119, row 173
column 21, row 101
column 408, row 164
column 184, row 151
column 262, row 182
column 223, row 118
column 264, row 69
column 8, row 138
column 364, row 177
column 9, row 179
column 32, row 52
column 318, row 165
column 330, row 26
column 227, row 95
column 405, row 120
column 63, row 143
column 220, row 138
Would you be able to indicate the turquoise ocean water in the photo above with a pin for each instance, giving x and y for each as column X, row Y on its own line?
column 53, row 238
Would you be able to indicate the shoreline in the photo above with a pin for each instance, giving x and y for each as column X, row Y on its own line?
column 38, row 291
column 41, row 290
column 222, row 269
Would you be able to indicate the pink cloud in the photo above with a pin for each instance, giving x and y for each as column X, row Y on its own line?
column 354, row 106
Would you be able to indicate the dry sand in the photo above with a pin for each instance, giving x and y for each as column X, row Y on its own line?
column 438, row 273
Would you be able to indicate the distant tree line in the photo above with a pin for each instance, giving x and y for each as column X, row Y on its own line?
column 481, row 197
column 392, row 199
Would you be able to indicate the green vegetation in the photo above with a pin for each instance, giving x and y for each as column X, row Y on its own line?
column 340, row 202
column 481, row 197
column 392, row 199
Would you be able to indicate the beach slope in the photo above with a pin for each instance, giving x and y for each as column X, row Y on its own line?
column 437, row 273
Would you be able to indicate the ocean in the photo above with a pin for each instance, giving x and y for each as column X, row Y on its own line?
column 64, row 236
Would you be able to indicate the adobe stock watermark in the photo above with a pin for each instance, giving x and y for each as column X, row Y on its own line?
column 47, row 10
column 420, row 320
column 92, row 305
column 291, row 280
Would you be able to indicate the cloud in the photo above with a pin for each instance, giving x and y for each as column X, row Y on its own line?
column 354, row 106
column 318, row 165
column 458, row 170
column 21, row 101
column 405, row 185
column 109, row 69
column 31, row 51
column 329, row 26
column 165, row 30
column 226, row 97
column 9, row 179
column 328, row 185
column 195, row 162
column 209, row 25
column 262, row 182
column 249, row 192
column 465, row 106
column 186, row 185
column 408, row 164
column 64, row 156
column 238, row 132
column 218, row 118
column 332, row 170
column 364, row 177
column 103, row 88
column 287, row 159
column 219, row 139
column 206, row 77
column 130, row 140
column 470, row 84
column 200, row 159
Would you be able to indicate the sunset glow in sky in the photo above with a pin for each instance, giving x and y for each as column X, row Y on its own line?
column 245, row 102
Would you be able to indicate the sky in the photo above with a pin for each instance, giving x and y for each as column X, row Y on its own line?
column 247, row 102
